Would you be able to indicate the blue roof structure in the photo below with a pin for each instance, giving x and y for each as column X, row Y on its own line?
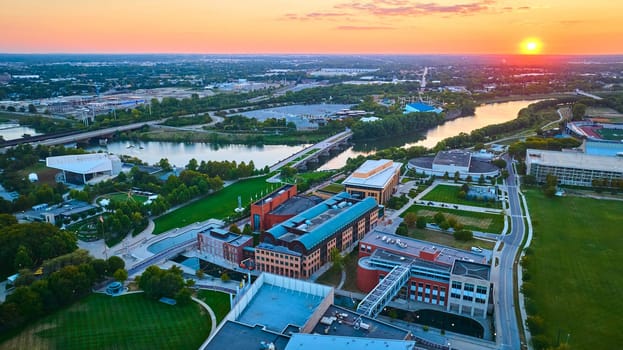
column 324, row 219
column 301, row 341
column 421, row 107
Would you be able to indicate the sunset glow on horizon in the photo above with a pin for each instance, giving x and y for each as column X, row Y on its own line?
column 321, row 26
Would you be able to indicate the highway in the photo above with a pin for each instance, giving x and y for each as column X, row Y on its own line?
column 507, row 331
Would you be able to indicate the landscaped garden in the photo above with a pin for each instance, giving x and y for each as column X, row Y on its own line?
column 125, row 322
column 450, row 194
column 475, row 221
column 218, row 205
column 574, row 276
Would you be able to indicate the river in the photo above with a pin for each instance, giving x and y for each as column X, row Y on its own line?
column 484, row 115
column 12, row 131
column 180, row 153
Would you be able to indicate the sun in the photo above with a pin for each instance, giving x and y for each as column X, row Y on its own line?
column 530, row 46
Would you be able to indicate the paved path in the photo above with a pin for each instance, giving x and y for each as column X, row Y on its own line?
column 342, row 279
column 209, row 310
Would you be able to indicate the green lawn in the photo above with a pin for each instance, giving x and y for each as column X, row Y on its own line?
column 218, row 302
column 125, row 322
column 448, row 240
column 332, row 276
column 218, row 205
column 576, row 271
column 449, row 194
column 122, row 197
column 475, row 221
column 333, row 188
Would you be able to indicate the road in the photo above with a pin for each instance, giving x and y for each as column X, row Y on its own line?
column 95, row 133
column 506, row 321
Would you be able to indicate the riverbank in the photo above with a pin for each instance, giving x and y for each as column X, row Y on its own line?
column 225, row 138
column 512, row 98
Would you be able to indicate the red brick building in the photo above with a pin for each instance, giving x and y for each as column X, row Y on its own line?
column 224, row 245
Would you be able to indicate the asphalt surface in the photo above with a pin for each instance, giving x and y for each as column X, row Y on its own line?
column 507, row 330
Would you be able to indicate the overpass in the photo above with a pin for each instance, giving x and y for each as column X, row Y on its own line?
column 385, row 291
column 73, row 136
column 163, row 255
column 301, row 159
column 580, row 92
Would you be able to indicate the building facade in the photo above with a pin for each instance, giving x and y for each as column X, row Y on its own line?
column 451, row 162
column 223, row 245
column 374, row 178
column 261, row 218
column 573, row 168
column 298, row 247
column 439, row 275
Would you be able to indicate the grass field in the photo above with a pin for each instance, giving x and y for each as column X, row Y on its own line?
column 122, row 197
column 126, row 322
column 576, row 271
column 449, row 194
column 475, row 221
column 333, row 188
column 448, row 240
column 218, row 302
column 218, row 205
column 332, row 276
column 611, row 134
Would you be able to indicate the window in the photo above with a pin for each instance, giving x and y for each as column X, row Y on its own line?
column 456, row 284
column 469, row 287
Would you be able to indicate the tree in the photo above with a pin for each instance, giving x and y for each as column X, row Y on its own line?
column 288, row 172
column 225, row 277
column 457, row 176
column 578, row 110
column 233, row 228
column 421, row 222
column 463, row 235
column 336, row 258
column 499, row 162
column 439, row 218
column 32, row 109
column 246, row 230
column 115, row 263
column 192, row 165
column 165, row 165
column 481, row 180
column 22, row 259
column 200, row 274
column 120, row 275
column 410, row 219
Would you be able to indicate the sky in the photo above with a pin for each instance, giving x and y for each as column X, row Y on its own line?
column 312, row 26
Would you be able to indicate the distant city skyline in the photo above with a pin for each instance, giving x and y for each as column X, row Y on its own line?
column 322, row 26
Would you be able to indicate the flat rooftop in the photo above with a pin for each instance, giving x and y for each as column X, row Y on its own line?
column 276, row 308
column 226, row 236
column 237, row 336
column 373, row 173
column 296, row 205
column 345, row 326
column 315, row 224
column 273, row 195
column 575, row 160
column 83, row 163
column 411, row 248
column 470, row 269
column 454, row 157
column 330, row 342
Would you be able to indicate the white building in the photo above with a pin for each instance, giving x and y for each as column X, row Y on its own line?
column 572, row 168
column 85, row 168
column 451, row 162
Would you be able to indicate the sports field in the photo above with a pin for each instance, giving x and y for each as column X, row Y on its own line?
column 611, row 134
column 218, row 205
column 576, row 271
column 475, row 221
column 125, row 322
column 449, row 194
column 122, row 197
